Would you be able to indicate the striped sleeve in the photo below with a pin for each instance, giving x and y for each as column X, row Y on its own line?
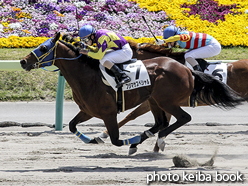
column 184, row 37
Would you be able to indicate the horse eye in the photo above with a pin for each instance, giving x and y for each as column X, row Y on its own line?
column 43, row 48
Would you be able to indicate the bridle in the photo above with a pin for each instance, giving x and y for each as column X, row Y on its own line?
column 48, row 58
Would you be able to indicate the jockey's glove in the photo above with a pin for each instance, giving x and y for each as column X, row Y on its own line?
column 159, row 42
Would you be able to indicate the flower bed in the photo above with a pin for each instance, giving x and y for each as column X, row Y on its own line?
column 44, row 18
column 226, row 21
column 22, row 21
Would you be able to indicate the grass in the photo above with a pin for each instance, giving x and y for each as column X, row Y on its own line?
column 14, row 53
column 36, row 85
column 30, row 86
column 42, row 85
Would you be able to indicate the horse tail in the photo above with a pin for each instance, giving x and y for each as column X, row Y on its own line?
column 211, row 91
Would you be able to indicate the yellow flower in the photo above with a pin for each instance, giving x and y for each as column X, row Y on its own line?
column 21, row 42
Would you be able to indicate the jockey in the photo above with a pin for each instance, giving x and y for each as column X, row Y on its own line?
column 111, row 48
column 200, row 45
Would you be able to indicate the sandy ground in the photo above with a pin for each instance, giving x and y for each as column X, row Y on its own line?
column 40, row 156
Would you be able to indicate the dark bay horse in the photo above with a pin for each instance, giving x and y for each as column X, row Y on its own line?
column 237, row 77
column 171, row 85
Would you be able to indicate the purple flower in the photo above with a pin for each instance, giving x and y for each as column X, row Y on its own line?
column 100, row 17
column 210, row 10
column 111, row 2
column 60, row 1
column 67, row 9
column 46, row 7
column 114, row 7
column 80, row 15
column 88, row 8
column 42, row 31
column 51, row 17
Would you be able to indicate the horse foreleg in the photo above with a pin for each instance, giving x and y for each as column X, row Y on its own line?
column 140, row 110
column 160, row 123
column 112, row 127
column 80, row 117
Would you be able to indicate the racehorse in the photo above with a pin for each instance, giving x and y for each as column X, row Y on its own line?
column 237, row 75
column 171, row 84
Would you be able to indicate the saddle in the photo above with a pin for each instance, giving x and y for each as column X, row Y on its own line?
column 119, row 92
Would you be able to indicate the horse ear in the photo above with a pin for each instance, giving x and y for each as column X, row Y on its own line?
column 56, row 37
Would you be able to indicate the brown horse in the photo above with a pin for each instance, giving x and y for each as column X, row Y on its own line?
column 171, row 84
column 237, row 75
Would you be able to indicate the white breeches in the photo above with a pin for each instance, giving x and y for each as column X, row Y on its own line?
column 118, row 56
column 212, row 49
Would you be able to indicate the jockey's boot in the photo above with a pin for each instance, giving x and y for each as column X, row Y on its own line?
column 198, row 68
column 121, row 77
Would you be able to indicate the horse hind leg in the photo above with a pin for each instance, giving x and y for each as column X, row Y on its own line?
column 181, row 116
column 160, row 123
column 156, row 147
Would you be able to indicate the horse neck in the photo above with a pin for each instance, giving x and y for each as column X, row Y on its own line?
column 74, row 70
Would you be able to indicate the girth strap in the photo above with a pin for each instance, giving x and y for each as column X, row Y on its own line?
column 120, row 100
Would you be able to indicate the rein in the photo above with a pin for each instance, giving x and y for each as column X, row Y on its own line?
column 41, row 58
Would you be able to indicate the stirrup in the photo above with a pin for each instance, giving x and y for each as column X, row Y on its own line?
column 122, row 82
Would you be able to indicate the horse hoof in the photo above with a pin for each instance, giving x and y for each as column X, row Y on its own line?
column 132, row 150
column 156, row 149
column 99, row 140
column 103, row 135
column 161, row 143
column 149, row 134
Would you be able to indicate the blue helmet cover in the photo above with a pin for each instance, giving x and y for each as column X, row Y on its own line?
column 86, row 30
column 170, row 31
column 48, row 56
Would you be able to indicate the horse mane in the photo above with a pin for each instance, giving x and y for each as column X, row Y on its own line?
column 179, row 56
column 70, row 46
column 75, row 47
column 150, row 47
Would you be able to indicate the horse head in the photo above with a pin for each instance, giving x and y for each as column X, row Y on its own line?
column 42, row 56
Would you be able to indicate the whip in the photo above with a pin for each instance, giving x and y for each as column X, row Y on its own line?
column 149, row 28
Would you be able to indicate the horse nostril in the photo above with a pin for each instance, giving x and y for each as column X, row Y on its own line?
column 23, row 61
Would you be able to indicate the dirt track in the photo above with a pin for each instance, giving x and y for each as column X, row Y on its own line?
column 39, row 156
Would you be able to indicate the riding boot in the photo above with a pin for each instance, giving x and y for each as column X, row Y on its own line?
column 121, row 77
column 198, row 68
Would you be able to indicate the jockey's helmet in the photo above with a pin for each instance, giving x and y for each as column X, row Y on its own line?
column 170, row 31
column 86, row 30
